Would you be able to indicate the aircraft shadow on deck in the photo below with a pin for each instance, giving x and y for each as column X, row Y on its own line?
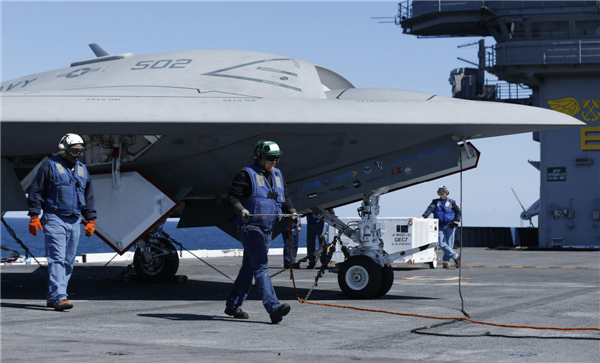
column 32, row 286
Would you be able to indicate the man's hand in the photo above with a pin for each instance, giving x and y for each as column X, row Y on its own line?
column 246, row 216
column 454, row 224
column 34, row 224
column 90, row 228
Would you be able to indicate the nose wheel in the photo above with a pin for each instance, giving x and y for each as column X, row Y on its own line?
column 360, row 277
column 387, row 280
column 159, row 262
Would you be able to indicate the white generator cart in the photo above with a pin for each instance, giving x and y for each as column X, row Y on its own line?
column 366, row 271
column 398, row 234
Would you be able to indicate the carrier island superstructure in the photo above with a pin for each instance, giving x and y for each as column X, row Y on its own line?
column 553, row 49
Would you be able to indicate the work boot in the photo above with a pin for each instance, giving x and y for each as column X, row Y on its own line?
column 296, row 265
column 445, row 265
column 64, row 304
column 279, row 312
column 457, row 260
column 236, row 313
column 49, row 304
column 310, row 267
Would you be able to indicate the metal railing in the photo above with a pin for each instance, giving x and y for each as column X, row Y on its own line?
column 408, row 9
column 561, row 52
column 404, row 11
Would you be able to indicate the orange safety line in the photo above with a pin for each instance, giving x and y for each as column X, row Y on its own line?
column 425, row 316
column 439, row 317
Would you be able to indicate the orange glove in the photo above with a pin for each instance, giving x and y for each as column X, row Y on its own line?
column 34, row 224
column 89, row 228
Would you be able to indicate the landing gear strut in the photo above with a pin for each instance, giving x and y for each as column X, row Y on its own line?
column 155, row 259
column 367, row 270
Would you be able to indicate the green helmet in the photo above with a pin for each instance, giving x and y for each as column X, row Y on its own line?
column 266, row 150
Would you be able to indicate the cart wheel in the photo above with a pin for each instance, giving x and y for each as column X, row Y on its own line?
column 359, row 277
column 387, row 280
column 433, row 264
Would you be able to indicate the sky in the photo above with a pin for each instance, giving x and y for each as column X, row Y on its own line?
column 341, row 36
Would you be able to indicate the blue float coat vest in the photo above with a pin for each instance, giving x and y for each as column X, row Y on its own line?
column 259, row 202
column 67, row 192
column 443, row 211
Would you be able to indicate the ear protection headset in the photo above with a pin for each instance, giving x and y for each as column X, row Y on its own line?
column 443, row 189
column 257, row 153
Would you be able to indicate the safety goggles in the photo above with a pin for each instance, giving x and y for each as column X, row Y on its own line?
column 272, row 158
column 75, row 150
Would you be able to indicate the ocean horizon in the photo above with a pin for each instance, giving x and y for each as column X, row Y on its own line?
column 201, row 238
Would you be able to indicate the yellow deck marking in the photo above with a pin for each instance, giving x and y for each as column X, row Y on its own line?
column 432, row 278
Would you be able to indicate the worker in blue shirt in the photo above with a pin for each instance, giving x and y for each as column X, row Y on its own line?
column 62, row 189
column 314, row 232
column 290, row 244
column 448, row 214
column 258, row 188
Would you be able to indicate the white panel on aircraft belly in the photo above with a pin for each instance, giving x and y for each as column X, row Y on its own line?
column 124, row 216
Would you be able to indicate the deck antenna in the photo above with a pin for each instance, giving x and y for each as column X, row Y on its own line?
column 515, row 193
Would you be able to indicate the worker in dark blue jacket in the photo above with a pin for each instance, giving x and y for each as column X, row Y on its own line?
column 258, row 189
column 290, row 245
column 314, row 233
column 448, row 214
column 62, row 189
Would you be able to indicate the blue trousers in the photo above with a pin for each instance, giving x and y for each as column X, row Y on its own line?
column 313, row 238
column 61, row 237
column 286, row 247
column 447, row 242
column 254, row 264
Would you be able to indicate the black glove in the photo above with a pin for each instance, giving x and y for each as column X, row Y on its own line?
column 454, row 224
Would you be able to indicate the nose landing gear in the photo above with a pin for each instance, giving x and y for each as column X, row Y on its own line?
column 367, row 271
column 155, row 259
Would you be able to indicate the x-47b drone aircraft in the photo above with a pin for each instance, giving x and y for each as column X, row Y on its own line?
column 165, row 134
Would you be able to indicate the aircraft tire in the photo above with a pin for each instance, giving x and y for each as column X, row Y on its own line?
column 163, row 270
column 432, row 264
column 387, row 280
column 359, row 277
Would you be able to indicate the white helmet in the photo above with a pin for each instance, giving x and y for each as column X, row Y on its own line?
column 68, row 140
column 443, row 189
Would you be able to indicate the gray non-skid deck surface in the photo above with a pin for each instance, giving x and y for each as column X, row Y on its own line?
column 137, row 322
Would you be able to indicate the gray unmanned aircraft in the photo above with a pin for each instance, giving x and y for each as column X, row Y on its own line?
column 166, row 133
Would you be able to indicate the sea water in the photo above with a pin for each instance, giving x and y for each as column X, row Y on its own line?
column 201, row 238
